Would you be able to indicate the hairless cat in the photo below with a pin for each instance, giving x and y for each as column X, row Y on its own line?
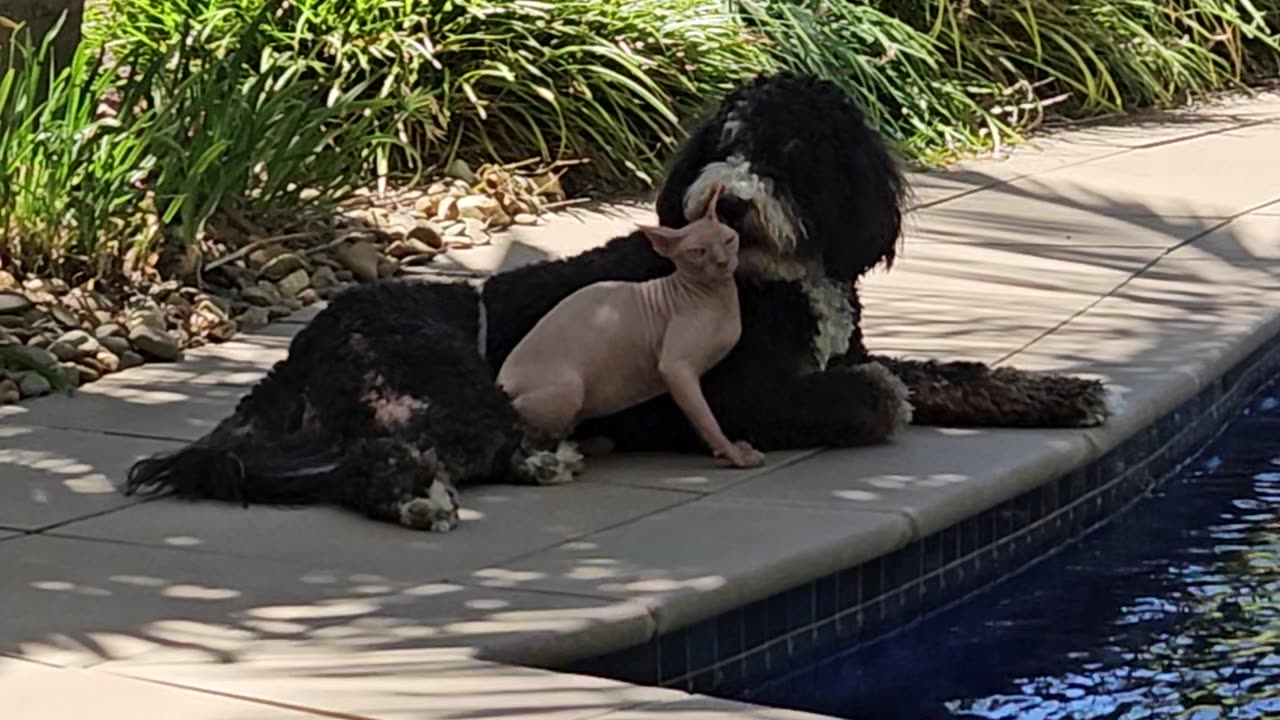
column 612, row 345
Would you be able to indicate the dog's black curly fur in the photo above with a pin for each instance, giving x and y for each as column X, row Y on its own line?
column 386, row 401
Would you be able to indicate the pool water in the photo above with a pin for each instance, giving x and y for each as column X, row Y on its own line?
column 1172, row 610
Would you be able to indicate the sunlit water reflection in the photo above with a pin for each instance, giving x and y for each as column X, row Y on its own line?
column 1171, row 611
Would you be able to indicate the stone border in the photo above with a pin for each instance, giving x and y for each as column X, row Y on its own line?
column 728, row 653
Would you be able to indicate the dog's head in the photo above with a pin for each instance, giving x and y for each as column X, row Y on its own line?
column 809, row 187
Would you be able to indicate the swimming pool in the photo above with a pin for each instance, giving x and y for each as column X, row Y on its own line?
column 1170, row 610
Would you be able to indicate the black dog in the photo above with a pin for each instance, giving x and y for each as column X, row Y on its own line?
column 387, row 400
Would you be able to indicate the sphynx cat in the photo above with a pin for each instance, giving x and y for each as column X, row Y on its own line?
column 612, row 345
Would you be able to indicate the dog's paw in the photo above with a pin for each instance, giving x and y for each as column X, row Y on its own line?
column 553, row 467
column 438, row 512
column 902, row 409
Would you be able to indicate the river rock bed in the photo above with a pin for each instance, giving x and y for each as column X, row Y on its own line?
column 54, row 336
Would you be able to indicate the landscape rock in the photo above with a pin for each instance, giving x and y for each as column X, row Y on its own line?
column 107, row 360
column 410, row 247
column 9, row 391
column 323, row 278
column 447, row 209
column 32, row 355
column 427, row 233
column 147, row 316
column 475, row 231
column 479, row 207
column 155, row 344
column 387, row 267
column 254, row 317
column 65, row 317
column 53, row 286
column 308, row 297
column 361, row 258
column 107, row 330
column 281, row 266
column 13, row 302
column 74, row 344
column 32, row 384
column 276, row 312
column 294, row 283
column 80, row 373
column 130, row 359
column 259, row 259
column 460, row 170
column 116, row 344
column 263, row 294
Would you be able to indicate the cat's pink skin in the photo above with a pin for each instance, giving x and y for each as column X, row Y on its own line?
column 612, row 345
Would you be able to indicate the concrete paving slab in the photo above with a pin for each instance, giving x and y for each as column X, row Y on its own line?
column 76, row 602
column 1161, row 337
column 705, row 557
column 1065, row 212
column 1251, row 238
column 430, row 684
column 305, row 315
column 1037, row 155
column 687, row 473
column 499, row 523
column 933, row 476
column 1157, row 181
column 707, row 709
column 130, row 404
column 1146, row 131
column 40, row 692
column 50, row 477
column 972, row 302
column 932, row 188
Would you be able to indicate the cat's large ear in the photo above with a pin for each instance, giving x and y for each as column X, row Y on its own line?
column 711, row 203
column 663, row 239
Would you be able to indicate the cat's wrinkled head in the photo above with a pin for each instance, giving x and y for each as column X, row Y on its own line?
column 705, row 250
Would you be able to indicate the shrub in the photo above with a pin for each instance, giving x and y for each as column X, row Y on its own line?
column 117, row 156
column 608, row 80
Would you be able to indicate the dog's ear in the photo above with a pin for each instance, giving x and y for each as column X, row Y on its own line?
column 861, row 223
column 663, row 239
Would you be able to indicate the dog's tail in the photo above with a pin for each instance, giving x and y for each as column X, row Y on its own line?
column 284, row 473
column 251, row 457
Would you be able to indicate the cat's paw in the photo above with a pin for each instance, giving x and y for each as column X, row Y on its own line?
column 742, row 455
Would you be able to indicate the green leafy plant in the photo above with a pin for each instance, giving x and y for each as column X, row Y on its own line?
column 607, row 80
column 116, row 156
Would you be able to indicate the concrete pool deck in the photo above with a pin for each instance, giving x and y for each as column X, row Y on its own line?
column 1147, row 254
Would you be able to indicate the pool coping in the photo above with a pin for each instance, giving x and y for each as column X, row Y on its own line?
column 724, row 652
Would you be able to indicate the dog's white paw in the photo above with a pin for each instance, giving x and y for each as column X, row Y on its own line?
column 438, row 512
column 546, row 467
column 1116, row 404
column 884, row 377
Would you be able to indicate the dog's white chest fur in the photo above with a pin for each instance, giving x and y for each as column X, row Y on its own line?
column 833, row 310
